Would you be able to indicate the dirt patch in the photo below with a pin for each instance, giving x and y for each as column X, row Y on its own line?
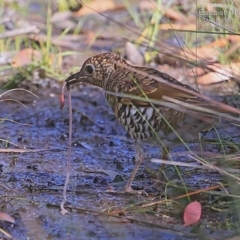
column 32, row 182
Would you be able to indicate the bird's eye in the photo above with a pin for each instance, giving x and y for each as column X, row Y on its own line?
column 89, row 68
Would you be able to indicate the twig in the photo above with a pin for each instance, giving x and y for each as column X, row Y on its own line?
column 18, row 32
column 18, row 89
column 175, row 163
column 220, row 170
column 192, row 165
column 13, row 100
column 63, row 210
column 181, row 196
column 12, row 121
column 5, row 233
column 14, row 150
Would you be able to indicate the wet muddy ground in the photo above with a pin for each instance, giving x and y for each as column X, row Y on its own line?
column 32, row 182
column 32, row 174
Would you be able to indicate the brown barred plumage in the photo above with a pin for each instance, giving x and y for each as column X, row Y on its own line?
column 143, row 120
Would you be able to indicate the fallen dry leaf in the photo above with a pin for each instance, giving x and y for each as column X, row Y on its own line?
column 97, row 6
column 220, row 73
column 233, row 38
column 221, row 42
column 6, row 217
column 234, row 68
column 192, row 213
column 149, row 5
column 27, row 56
column 200, row 54
column 204, row 53
column 211, row 78
column 174, row 15
column 133, row 54
column 167, row 26
column 205, row 76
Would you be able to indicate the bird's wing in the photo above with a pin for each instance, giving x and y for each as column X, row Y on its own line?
column 144, row 86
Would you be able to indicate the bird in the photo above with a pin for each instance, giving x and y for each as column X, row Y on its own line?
column 140, row 115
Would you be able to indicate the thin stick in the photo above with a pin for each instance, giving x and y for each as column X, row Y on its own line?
column 18, row 89
column 13, row 100
column 13, row 150
column 220, row 170
column 63, row 210
column 192, row 165
column 181, row 164
column 18, row 32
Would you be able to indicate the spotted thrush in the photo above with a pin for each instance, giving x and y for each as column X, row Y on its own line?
column 145, row 120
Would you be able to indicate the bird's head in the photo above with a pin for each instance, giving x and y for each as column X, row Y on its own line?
column 97, row 70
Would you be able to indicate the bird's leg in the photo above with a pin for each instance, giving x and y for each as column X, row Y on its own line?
column 139, row 156
column 165, row 152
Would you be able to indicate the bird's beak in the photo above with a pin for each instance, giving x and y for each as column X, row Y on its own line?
column 74, row 78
